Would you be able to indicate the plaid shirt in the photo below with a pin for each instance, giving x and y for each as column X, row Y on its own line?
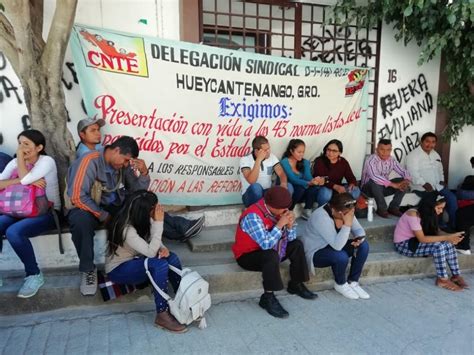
column 253, row 225
column 378, row 170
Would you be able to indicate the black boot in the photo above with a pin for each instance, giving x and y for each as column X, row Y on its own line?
column 269, row 302
column 301, row 290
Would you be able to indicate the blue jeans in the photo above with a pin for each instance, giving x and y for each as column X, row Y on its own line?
column 132, row 272
column 325, row 194
column 338, row 260
column 305, row 194
column 18, row 231
column 255, row 192
column 451, row 205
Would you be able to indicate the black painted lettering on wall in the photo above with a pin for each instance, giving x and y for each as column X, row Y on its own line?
column 25, row 121
column 392, row 76
column 401, row 110
column 3, row 61
column 334, row 46
column 70, row 84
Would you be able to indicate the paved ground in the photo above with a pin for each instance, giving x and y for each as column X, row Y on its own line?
column 402, row 317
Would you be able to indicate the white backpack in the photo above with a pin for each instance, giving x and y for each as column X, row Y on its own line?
column 192, row 298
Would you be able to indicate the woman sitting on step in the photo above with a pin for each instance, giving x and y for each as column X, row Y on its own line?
column 135, row 234
column 417, row 234
column 31, row 167
column 332, row 236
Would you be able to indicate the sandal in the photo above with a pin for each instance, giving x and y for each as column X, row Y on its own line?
column 447, row 284
column 458, row 280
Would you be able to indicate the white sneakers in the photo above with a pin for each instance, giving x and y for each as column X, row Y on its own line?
column 464, row 251
column 89, row 283
column 359, row 290
column 352, row 291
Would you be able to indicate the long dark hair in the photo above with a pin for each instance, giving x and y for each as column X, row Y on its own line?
column 428, row 216
column 135, row 212
column 323, row 154
column 292, row 145
column 36, row 137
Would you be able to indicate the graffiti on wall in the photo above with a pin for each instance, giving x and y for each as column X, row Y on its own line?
column 335, row 46
column 13, row 108
column 401, row 111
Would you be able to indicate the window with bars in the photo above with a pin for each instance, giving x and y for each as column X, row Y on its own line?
column 295, row 30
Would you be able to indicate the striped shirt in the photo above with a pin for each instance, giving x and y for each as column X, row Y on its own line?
column 378, row 170
column 253, row 225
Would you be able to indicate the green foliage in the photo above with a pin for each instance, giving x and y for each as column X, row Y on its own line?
column 437, row 27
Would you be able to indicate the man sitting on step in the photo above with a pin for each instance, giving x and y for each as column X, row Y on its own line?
column 98, row 183
column 265, row 236
column 377, row 184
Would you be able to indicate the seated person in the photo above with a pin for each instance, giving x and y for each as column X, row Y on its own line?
column 119, row 172
column 465, row 213
column 417, row 234
column 265, row 236
column 256, row 170
column 298, row 171
column 331, row 164
column 332, row 236
column 4, row 160
column 133, row 235
column 30, row 167
column 376, row 182
column 176, row 227
column 427, row 175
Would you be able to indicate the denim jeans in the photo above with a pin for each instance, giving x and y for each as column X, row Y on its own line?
column 255, row 192
column 325, row 194
column 338, row 260
column 18, row 231
column 305, row 194
column 132, row 272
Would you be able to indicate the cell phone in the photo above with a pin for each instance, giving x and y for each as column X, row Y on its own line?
column 356, row 239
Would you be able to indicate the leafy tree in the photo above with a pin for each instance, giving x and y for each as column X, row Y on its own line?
column 438, row 27
column 38, row 64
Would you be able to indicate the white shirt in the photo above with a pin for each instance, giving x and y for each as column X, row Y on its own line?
column 266, row 171
column 45, row 168
column 425, row 168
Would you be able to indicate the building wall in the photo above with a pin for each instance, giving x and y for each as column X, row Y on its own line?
column 407, row 93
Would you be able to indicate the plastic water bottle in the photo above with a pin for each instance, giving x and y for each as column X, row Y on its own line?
column 370, row 209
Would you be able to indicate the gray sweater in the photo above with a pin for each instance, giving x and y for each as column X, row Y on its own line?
column 321, row 231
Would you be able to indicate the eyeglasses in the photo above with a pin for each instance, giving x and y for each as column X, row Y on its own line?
column 332, row 150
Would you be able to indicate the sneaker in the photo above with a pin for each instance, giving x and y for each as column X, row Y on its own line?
column 194, row 229
column 269, row 302
column 346, row 291
column 31, row 286
column 464, row 251
column 89, row 283
column 306, row 213
column 359, row 290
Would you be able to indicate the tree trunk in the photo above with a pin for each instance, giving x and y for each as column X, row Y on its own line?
column 48, row 114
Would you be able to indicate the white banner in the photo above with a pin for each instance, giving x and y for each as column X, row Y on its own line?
column 194, row 109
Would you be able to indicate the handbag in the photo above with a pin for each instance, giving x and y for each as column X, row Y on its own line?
column 23, row 201
column 110, row 290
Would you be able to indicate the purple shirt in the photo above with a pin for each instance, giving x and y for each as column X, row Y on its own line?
column 378, row 170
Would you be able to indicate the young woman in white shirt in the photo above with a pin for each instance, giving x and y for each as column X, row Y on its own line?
column 30, row 167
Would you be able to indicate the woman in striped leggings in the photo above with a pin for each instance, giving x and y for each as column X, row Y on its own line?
column 417, row 234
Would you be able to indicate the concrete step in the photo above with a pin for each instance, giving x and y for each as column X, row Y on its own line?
column 219, row 238
column 225, row 277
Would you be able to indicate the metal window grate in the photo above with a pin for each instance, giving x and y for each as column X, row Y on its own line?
column 295, row 30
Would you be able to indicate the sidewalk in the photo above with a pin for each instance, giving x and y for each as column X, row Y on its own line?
column 402, row 317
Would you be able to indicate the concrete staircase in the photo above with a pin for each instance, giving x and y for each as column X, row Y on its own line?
column 209, row 254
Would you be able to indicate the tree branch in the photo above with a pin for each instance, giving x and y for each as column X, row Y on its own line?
column 7, row 42
column 21, row 22
column 58, row 36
